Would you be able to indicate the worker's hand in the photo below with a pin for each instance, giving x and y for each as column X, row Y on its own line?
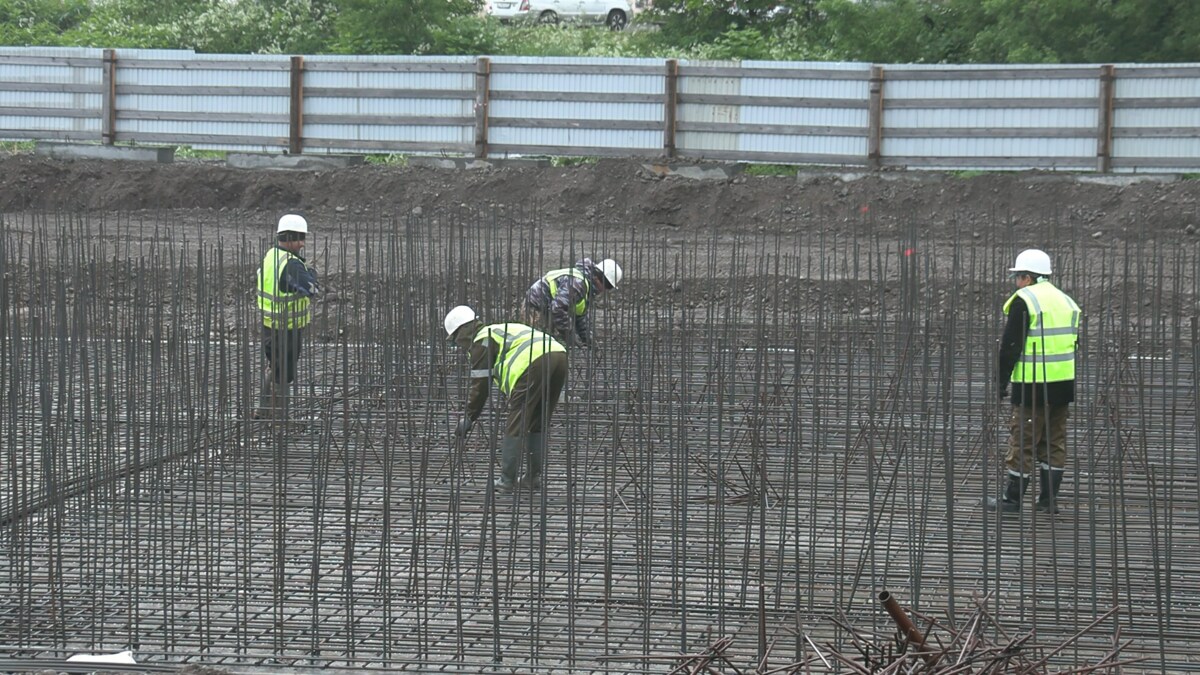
column 464, row 427
column 1003, row 390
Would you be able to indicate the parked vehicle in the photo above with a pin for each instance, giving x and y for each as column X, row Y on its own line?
column 612, row 13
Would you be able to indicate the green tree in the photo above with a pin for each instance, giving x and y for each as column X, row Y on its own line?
column 687, row 23
column 394, row 26
column 263, row 27
column 1151, row 31
column 890, row 31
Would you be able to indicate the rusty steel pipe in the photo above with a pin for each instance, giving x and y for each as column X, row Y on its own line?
column 905, row 624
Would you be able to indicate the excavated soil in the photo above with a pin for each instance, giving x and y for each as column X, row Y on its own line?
column 623, row 192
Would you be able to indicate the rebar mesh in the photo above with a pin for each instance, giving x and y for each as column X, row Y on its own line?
column 774, row 428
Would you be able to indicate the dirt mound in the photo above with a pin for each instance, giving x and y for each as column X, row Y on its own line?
column 619, row 191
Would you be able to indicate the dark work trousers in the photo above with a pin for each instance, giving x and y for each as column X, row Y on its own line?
column 1037, row 436
column 282, row 351
column 535, row 395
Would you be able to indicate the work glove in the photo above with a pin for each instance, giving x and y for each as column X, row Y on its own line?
column 464, row 427
column 1003, row 391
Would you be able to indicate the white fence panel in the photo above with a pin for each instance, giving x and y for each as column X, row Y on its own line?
column 209, row 101
column 576, row 106
column 1142, row 118
column 51, row 93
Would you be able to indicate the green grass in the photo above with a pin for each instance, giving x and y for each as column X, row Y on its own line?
column 390, row 159
column 572, row 161
column 188, row 152
column 967, row 173
column 16, row 147
column 785, row 170
column 1190, row 176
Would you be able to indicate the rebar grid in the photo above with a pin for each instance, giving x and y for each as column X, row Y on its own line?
column 775, row 427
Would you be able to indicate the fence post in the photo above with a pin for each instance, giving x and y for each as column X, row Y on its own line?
column 296, row 108
column 1104, row 120
column 108, row 106
column 875, row 117
column 670, row 107
column 483, row 84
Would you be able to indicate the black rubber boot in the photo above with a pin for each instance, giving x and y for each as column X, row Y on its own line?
column 1011, row 501
column 1051, row 481
column 266, row 398
column 532, row 480
column 510, row 462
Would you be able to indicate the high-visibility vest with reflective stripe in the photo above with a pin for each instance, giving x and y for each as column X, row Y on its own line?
column 277, row 305
column 552, row 280
column 520, row 346
column 1049, row 354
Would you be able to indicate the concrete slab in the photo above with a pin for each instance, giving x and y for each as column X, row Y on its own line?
column 254, row 160
column 1121, row 180
column 120, row 152
column 473, row 164
column 695, row 171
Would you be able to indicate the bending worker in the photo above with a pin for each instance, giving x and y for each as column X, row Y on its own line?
column 285, row 284
column 530, row 368
column 1037, row 354
column 558, row 302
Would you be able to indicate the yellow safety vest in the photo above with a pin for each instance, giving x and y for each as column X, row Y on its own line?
column 520, row 346
column 1049, row 354
column 277, row 305
column 552, row 280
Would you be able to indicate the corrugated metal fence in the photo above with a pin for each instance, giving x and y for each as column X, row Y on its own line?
column 1101, row 117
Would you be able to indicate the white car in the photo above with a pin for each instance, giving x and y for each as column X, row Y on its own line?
column 612, row 13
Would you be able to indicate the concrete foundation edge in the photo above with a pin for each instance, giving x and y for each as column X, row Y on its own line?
column 253, row 160
column 160, row 155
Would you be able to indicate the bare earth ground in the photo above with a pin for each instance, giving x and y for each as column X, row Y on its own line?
column 619, row 197
column 611, row 192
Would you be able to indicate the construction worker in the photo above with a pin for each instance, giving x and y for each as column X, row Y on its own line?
column 285, row 285
column 558, row 302
column 530, row 368
column 1037, row 354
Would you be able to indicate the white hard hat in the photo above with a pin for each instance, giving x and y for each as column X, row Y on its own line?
column 611, row 271
column 292, row 223
column 1032, row 260
column 458, row 317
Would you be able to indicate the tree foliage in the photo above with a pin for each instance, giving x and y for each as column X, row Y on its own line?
column 395, row 26
column 879, row 31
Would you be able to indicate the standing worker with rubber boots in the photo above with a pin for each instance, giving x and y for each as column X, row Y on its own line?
column 557, row 303
column 1037, row 354
column 285, row 285
column 530, row 368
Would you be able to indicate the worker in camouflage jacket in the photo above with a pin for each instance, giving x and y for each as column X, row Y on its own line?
column 558, row 302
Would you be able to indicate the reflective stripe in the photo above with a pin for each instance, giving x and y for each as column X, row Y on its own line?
column 480, row 372
column 1047, row 358
column 1072, row 330
column 1018, row 474
column 1035, row 307
column 280, row 298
